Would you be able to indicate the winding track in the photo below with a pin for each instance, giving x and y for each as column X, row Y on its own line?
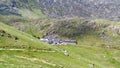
column 2, row 49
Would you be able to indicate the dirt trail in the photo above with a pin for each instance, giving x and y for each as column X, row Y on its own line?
column 13, row 49
column 35, row 59
column 1, row 49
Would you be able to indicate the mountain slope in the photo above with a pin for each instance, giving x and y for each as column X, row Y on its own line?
column 22, row 8
column 23, row 40
column 60, row 9
column 82, row 8
column 104, row 33
column 23, row 22
column 39, row 54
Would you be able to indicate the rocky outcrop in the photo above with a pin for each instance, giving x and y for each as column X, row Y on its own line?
column 115, row 29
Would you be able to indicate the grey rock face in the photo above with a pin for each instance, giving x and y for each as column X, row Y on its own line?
column 106, row 9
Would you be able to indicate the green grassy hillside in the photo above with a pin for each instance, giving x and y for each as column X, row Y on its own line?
column 98, row 32
column 24, row 40
column 22, row 23
column 80, row 57
column 29, row 52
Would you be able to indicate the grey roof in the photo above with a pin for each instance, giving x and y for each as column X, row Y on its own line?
column 59, row 41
